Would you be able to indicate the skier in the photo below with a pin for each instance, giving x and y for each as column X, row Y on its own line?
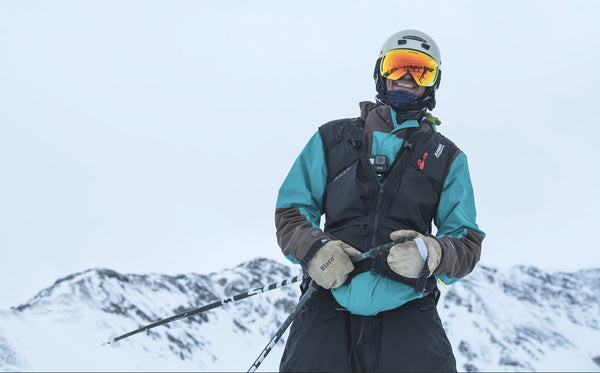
column 382, row 177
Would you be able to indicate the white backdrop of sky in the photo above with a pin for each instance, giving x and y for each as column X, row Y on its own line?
column 152, row 136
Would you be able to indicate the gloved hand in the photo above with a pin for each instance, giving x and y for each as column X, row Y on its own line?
column 331, row 264
column 405, row 259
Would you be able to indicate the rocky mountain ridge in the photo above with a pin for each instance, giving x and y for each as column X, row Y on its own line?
column 523, row 319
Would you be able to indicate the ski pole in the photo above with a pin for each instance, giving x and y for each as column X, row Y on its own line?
column 210, row 306
column 311, row 289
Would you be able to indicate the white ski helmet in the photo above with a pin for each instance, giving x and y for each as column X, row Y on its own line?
column 413, row 40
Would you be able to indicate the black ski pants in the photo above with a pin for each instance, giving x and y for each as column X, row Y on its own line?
column 325, row 337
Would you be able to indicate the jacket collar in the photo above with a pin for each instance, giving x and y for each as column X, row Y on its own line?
column 382, row 118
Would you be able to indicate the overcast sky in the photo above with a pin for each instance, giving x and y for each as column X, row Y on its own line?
column 152, row 136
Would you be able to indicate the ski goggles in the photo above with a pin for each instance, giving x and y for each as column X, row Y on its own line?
column 399, row 62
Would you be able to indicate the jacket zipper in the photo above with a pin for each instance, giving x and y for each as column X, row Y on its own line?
column 378, row 207
column 379, row 202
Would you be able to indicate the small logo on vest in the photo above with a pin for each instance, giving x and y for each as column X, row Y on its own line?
column 327, row 263
column 439, row 150
column 421, row 161
column 341, row 174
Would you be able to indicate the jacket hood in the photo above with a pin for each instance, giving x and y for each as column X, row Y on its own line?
column 377, row 116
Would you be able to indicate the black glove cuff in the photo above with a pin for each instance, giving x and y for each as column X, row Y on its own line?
column 423, row 283
column 313, row 250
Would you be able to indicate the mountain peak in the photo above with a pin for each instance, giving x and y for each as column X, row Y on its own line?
column 520, row 319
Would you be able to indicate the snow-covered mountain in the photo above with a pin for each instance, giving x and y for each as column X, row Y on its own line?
column 63, row 327
column 518, row 320
column 524, row 319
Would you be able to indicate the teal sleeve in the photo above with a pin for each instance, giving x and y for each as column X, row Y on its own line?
column 456, row 216
column 304, row 186
column 456, row 212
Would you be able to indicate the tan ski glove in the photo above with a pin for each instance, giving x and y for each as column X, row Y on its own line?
column 405, row 258
column 331, row 264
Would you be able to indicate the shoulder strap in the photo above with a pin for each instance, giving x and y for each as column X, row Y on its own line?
column 342, row 140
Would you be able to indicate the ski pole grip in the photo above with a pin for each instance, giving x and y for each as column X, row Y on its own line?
column 377, row 251
column 368, row 261
column 360, row 257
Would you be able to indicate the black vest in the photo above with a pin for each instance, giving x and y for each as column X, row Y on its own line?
column 361, row 209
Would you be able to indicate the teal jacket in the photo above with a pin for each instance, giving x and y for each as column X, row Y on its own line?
column 300, row 207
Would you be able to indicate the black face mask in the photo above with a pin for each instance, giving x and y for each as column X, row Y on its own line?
column 406, row 105
column 399, row 99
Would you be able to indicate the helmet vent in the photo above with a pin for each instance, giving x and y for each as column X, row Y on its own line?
column 412, row 37
column 426, row 46
column 402, row 42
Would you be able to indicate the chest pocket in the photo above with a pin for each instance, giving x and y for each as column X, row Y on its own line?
column 344, row 195
column 413, row 201
column 416, row 194
column 347, row 192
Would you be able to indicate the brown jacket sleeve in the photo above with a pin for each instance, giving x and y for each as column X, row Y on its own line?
column 459, row 255
column 296, row 236
column 457, row 213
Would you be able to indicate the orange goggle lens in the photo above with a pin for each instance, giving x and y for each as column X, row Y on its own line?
column 399, row 62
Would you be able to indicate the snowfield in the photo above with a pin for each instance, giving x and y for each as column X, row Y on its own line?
column 520, row 320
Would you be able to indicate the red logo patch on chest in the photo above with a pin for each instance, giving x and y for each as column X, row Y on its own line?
column 421, row 161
